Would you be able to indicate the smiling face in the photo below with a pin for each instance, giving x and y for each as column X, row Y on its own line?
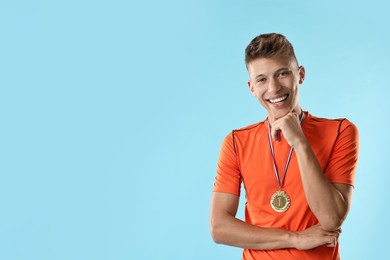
column 274, row 82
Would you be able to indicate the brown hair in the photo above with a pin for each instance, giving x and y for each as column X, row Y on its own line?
column 269, row 45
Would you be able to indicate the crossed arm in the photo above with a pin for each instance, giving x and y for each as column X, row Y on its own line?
column 329, row 202
column 227, row 229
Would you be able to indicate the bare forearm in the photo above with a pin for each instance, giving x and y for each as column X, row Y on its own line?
column 234, row 232
column 326, row 202
column 227, row 229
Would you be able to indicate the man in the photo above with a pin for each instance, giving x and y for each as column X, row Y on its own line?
column 297, row 169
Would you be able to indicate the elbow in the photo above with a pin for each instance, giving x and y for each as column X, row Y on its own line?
column 332, row 223
column 216, row 235
column 217, row 232
column 330, row 227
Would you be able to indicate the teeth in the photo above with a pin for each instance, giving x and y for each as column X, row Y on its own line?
column 276, row 100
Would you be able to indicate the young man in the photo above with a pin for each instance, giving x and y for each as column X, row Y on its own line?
column 297, row 169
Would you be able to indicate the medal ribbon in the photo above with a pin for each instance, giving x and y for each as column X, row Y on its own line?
column 280, row 183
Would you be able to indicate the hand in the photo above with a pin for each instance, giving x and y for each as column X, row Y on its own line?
column 315, row 236
column 290, row 127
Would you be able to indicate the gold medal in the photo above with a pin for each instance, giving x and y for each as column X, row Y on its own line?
column 280, row 201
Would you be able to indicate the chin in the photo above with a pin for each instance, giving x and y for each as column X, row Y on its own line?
column 281, row 113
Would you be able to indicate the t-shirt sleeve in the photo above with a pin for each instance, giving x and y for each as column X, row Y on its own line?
column 228, row 177
column 344, row 158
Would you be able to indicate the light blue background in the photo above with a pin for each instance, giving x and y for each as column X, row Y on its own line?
column 113, row 113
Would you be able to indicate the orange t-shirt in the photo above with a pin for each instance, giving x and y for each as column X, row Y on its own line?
column 245, row 157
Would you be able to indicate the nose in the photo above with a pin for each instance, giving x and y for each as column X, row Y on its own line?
column 273, row 85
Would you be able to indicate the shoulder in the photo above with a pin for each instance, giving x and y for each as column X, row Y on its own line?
column 250, row 128
column 249, row 132
column 244, row 133
column 323, row 120
column 338, row 125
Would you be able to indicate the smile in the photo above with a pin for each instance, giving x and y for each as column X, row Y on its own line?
column 277, row 100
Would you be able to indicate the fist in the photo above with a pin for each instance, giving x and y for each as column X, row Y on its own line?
column 290, row 126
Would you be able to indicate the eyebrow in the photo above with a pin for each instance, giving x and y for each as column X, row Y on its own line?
column 259, row 76
column 281, row 69
column 276, row 72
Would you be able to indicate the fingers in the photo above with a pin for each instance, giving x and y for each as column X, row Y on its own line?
column 288, row 125
column 333, row 240
column 275, row 133
column 328, row 238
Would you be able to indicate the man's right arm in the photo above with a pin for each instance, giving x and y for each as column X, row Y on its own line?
column 227, row 229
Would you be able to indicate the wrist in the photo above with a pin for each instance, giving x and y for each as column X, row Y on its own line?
column 301, row 144
column 292, row 238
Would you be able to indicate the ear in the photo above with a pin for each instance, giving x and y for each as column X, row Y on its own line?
column 302, row 74
column 251, row 88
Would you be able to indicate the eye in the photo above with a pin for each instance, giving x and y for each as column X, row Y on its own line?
column 261, row 80
column 283, row 73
